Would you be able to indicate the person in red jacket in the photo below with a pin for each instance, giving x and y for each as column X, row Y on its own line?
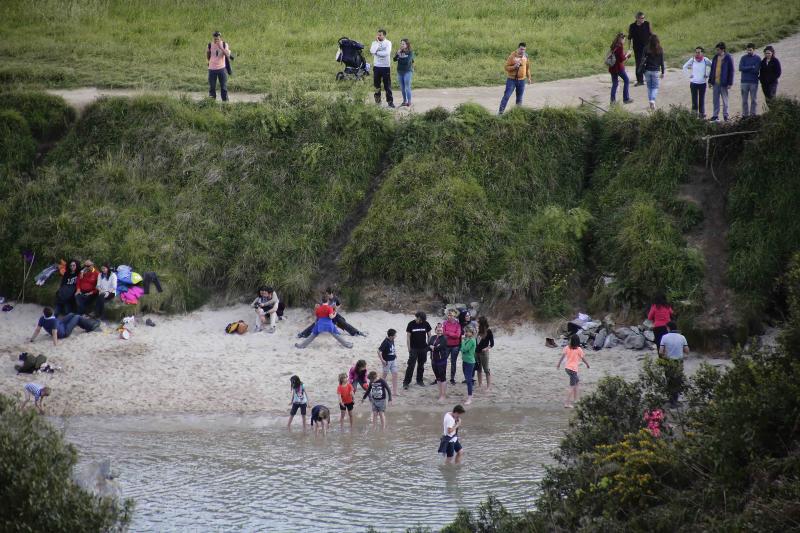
column 617, row 70
column 86, row 292
column 452, row 332
column 660, row 315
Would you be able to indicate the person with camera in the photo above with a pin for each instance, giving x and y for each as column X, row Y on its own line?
column 218, row 54
column 518, row 71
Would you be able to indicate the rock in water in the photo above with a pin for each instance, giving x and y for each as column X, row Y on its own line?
column 635, row 342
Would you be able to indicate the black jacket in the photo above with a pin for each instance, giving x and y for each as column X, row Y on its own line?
column 769, row 73
column 639, row 35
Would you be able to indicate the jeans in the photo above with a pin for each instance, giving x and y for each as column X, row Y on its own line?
column 638, row 54
column 71, row 320
column 769, row 89
column 308, row 340
column 653, row 81
column 698, row 98
column 382, row 74
column 339, row 321
column 64, row 308
column 83, row 300
column 416, row 357
column 511, row 86
column 151, row 277
column 405, row 85
column 625, row 87
column 469, row 375
column 100, row 304
column 749, row 96
column 222, row 76
column 720, row 92
column 453, row 352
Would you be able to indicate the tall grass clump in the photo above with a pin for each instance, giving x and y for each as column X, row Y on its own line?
column 762, row 205
column 48, row 117
column 214, row 199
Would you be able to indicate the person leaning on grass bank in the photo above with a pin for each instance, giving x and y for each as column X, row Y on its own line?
column 216, row 53
column 518, row 72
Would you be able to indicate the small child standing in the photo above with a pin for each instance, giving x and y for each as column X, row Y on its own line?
column 345, row 391
column 468, row 345
column 299, row 400
column 321, row 416
column 377, row 392
column 38, row 393
column 574, row 355
column 388, row 357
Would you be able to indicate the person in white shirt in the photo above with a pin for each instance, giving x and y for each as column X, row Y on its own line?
column 697, row 69
column 449, row 444
column 671, row 352
column 106, row 289
column 381, row 51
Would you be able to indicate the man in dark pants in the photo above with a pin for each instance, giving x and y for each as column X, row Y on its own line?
column 330, row 299
column 639, row 33
column 381, row 51
column 417, row 336
column 216, row 53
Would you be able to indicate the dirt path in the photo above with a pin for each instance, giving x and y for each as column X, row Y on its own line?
column 568, row 92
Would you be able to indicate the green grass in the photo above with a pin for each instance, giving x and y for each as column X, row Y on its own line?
column 280, row 44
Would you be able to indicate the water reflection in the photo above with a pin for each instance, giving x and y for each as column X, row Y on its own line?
column 237, row 472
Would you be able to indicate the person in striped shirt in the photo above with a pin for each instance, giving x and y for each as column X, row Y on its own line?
column 37, row 392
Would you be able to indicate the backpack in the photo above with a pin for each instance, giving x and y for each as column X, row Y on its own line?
column 611, row 59
column 377, row 391
column 239, row 327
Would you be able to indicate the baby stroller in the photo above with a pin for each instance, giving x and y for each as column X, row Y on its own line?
column 350, row 54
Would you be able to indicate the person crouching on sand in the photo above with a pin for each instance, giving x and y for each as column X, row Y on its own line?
column 299, row 400
column 358, row 375
column 449, row 446
column 38, row 393
column 321, row 416
column 574, row 355
column 345, row 391
column 377, row 393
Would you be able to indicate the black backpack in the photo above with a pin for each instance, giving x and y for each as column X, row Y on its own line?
column 227, row 58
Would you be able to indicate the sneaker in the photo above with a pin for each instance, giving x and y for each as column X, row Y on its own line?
column 150, row 323
column 258, row 328
column 434, row 382
column 714, row 118
column 405, row 386
column 469, row 400
column 638, row 84
column 361, row 334
column 377, row 98
column 297, row 345
column 550, row 343
column 725, row 119
column 452, row 382
column 421, row 383
column 391, row 105
column 464, row 382
column 271, row 329
column 628, row 101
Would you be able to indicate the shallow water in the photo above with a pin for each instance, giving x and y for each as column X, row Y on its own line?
column 230, row 472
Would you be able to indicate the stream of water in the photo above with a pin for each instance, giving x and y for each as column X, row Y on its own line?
column 248, row 473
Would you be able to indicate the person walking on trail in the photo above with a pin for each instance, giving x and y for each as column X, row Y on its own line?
column 617, row 70
column 697, row 69
column 749, row 65
column 381, row 50
column 518, row 74
column 217, row 53
column 652, row 63
column 639, row 33
column 671, row 351
column 769, row 73
column 61, row 328
column 417, row 335
column 721, row 80
column 449, row 445
column 405, row 70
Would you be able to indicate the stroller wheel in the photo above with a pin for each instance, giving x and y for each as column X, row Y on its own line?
column 339, row 76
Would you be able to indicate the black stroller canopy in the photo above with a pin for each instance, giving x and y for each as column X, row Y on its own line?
column 344, row 42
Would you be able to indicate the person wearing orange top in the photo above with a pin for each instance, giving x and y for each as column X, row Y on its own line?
column 518, row 72
column 574, row 355
column 345, row 391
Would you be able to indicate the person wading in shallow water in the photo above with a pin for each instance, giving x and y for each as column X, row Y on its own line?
column 449, row 445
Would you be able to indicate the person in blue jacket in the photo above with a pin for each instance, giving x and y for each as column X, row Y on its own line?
column 749, row 65
column 720, row 80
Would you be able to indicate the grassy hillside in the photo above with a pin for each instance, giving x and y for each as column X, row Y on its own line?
column 284, row 43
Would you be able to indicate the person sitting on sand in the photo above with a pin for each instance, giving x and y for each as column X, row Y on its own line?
column 38, row 393
column 86, row 293
column 377, row 393
column 325, row 324
column 65, row 296
column 299, row 400
column 358, row 375
column 106, row 289
column 61, row 328
column 266, row 305
column 449, row 446
column 321, row 416
column 345, row 391
column 332, row 300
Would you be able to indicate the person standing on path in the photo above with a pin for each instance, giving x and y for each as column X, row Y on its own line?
column 660, row 315
column 652, row 63
column 449, row 446
column 749, row 65
column 452, row 332
column 518, row 72
column 417, row 334
column 769, row 73
column 381, row 51
column 671, row 351
column 617, row 70
column 216, row 53
column 721, row 80
column 639, row 33
column 697, row 69
column 405, row 69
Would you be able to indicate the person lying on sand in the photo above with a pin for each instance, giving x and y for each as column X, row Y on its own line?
column 61, row 328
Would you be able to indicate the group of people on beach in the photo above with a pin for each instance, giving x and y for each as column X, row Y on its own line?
column 716, row 73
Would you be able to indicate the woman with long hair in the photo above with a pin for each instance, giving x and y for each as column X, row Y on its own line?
column 652, row 64
column 65, row 296
column 617, row 70
column 660, row 315
column 769, row 73
column 405, row 69
column 485, row 343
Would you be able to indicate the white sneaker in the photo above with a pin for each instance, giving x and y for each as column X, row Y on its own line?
column 271, row 329
column 258, row 328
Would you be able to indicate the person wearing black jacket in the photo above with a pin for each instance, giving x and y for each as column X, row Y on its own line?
column 485, row 343
column 65, row 296
column 769, row 73
column 437, row 345
column 639, row 36
column 652, row 63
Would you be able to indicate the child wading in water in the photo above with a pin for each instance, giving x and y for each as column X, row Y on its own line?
column 345, row 392
column 377, row 392
column 574, row 355
column 299, row 400
column 321, row 416
column 449, row 446
column 358, row 375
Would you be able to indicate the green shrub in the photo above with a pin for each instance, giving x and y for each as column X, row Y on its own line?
column 17, row 147
column 49, row 117
column 36, row 489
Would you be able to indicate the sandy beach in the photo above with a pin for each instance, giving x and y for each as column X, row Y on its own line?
column 188, row 364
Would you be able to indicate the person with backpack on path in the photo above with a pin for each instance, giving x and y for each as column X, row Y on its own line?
column 218, row 55
column 518, row 70
column 697, row 69
column 639, row 34
column 721, row 80
column 617, row 69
